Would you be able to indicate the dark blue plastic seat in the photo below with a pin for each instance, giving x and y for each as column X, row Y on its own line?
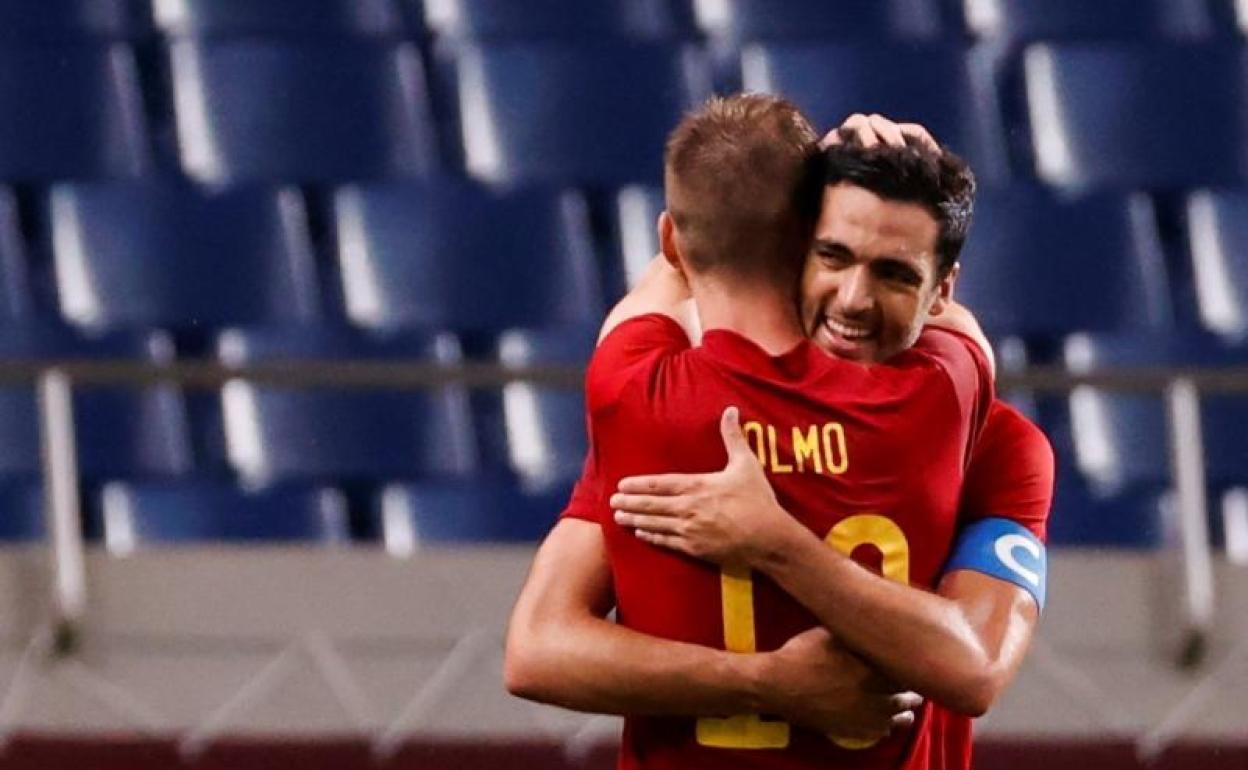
column 323, row 112
column 455, row 255
column 1217, row 228
column 1039, row 266
column 278, row 18
column 137, row 515
column 738, row 20
column 411, row 516
column 121, row 433
column 71, row 111
column 23, row 20
column 592, row 113
column 637, row 209
column 551, row 19
column 1131, row 518
column 944, row 87
column 1028, row 20
column 1113, row 115
column 16, row 300
column 170, row 255
column 21, row 511
column 327, row 434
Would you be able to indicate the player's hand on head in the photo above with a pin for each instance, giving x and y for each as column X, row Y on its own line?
column 815, row 682
column 875, row 129
column 730, row 517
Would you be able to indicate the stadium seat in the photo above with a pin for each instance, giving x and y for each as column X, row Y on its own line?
column 330, row 434
column 71, row 111
column 592, row 113
column 550, row 19
column 169, row 255
column 278, row 18
column 637, row 208
column 1018, row 21
column 1036, row 265
column 411, row 516
column 136, row 515
column 1113, row 116
column 24, row 21
column 743, row 20
column 264, row 110
column 1135, row 518
column 1217, row 228
column 21, row 511
column 544, row 426
column 16, row 301
column 455, row 255
column 121, row 433
column 946, row 88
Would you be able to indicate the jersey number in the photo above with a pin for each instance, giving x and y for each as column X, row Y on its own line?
column 751, row 731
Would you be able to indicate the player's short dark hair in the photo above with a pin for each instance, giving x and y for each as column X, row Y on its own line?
column 743, row 182
column 941, row 182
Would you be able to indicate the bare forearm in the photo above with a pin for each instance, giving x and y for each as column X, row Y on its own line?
column 921, row 640
column 591, row 664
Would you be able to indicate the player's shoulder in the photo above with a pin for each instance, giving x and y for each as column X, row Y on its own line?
column 632, row 353
column 1009, row 430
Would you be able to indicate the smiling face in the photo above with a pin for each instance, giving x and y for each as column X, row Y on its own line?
column 871, row 279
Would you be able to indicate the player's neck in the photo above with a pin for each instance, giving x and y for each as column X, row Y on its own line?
column 766, row 318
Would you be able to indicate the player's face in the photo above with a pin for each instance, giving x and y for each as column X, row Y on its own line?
column 870, row 279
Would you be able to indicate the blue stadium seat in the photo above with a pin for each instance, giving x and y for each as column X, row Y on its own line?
column 741, row 20
column 592, row 113
column 1134, row 518
column 21, row 511
column 137, row 515
column 551, row 19
column 136, row 255
column 945, row 87
column 278, row 18
column 121, row 433
column 1040, row 266
column 457, row 255
column 1217, row 227
column 71, row 111
column 327, row 434
column 1028, row 20
column 637, row 209
column 262, row 110
column 544, row 426
column 411, row 516
column 16, row 301
column 1113, row 116
column 24, row 21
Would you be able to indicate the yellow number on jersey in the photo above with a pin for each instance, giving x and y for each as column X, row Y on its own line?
column 750, row 731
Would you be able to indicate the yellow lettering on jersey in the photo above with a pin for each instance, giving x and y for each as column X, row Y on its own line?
column 754, row 434
column 806, row 448
column 835, row 454
column 776, row 465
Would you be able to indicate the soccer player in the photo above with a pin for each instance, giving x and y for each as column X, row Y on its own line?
column 831, row 462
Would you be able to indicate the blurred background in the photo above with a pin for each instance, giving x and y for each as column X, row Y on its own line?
column 295, row 298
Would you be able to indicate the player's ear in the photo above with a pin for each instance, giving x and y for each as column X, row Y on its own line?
column 944, row 290
column 667, row 241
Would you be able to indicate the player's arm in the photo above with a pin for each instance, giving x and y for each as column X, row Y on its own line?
column 661, row 289
column 957, row 317
column 960, row 646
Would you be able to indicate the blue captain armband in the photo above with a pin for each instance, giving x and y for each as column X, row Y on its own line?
column 1003, row 549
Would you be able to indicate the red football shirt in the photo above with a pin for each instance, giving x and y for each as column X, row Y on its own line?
column 869, row 458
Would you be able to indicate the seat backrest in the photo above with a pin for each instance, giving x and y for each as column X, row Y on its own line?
column 176, row 256
column 285, row 111
column 455, row 255
column 140, row 515
column 21, row 511
column 944, row 87
column 278, row 18
column 274, row 433
column 1217, row 230
column 16, row 300
column 742, row 20
column 1111, row 116
column 1038, row 265
column 591, row 113
column 1133, row 518
column 72, row 111
column 24, row 21
column 1027, row 20
column 551, row 19
column 409, row 517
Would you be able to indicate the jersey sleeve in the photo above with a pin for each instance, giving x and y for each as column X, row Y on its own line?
column 587, row 501
column 631, row 355
column 1011, row 473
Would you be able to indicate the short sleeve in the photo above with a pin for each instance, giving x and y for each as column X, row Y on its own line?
column 588, row 501
column 1011, row 472
column 633, row 352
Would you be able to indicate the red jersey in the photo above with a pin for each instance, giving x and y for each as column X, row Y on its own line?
column 1011, row 477
column 869, row 458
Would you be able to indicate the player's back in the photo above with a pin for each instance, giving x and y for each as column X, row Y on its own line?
column 870, row 459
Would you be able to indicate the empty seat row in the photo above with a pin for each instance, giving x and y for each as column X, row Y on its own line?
column 248, row 110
